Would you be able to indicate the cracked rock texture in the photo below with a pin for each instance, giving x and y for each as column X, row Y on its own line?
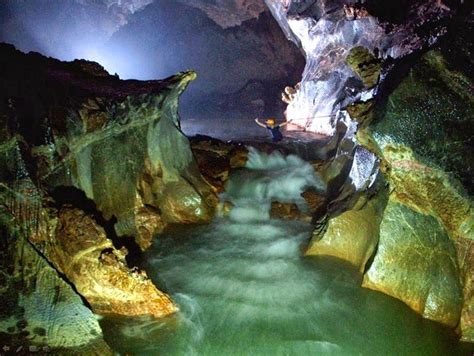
column 39, row 308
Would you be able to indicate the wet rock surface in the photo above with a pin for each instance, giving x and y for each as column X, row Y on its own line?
column 365, row 64
column 348, row 46
column 421, row 134
column 361, row 223
column 416, row 262
column 288, row 211
column 414, row 123
column 118, row 141
column 40, row 310
column 99, row 272
column 216, row 159
column 85, row 159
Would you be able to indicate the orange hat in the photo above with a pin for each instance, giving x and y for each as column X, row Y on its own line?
column 270, row 121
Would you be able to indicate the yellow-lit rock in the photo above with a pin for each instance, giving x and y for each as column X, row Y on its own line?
column 99, row 272
column 351, row 236
column 416, row 263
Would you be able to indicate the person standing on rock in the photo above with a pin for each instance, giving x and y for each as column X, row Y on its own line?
column 274, row 129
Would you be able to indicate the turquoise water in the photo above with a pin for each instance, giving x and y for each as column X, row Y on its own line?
column 244, row 288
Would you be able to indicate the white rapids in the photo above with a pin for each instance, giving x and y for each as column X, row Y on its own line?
column 244, row 288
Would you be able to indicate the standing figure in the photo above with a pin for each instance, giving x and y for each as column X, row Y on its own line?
column 274, row 129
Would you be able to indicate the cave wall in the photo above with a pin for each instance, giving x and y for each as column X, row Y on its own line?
column 118, row 141
column 241, row 69
column 411, row 107
column 422, row 132
column 328, row 31
column 242, row 58
column 86, row 159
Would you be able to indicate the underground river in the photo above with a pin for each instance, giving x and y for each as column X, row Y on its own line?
column 244, row 288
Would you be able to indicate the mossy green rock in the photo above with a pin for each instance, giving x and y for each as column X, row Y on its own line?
column 423, row 132
column 365, row 65
column 432, row 113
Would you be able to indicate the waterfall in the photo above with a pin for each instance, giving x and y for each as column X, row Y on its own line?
column 269, row 177
column 244, row 288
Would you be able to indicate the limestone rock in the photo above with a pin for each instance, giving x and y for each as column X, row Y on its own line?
column 99, row 272
column 416, row 262
column 287, row 211
column 39, row 307
column 465, row 254
column 181, row 204
column 238, row 157
column 366, row 66
column 347, row 44
column 317, row 203
column 216, row 159
column 150, row 223
column 224, row 208
column 422, row 133
column 352, row 236
column 242, row 69
column 229, row 13
column 362, row 111
column 117, row 141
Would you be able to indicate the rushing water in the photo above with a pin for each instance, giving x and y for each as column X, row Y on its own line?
column 244, row 287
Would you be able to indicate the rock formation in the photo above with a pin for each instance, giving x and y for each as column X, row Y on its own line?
column 35, row 298
column 332, row 43
column 229, row 13
column 216, row 159
column 85, row 159
column 421, row 132
column 234, row 39
column 405, row 116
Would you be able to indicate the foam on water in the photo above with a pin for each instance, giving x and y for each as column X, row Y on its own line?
column 269, row 177
column 244, row 288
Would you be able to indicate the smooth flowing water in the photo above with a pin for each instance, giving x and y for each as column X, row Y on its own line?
column 244, row 287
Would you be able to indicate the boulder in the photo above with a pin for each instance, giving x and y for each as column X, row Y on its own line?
column 416, row 262
column 365, row 65
column 287, row 211
column 352, row 236
column 40, row 310
column 99, row 272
